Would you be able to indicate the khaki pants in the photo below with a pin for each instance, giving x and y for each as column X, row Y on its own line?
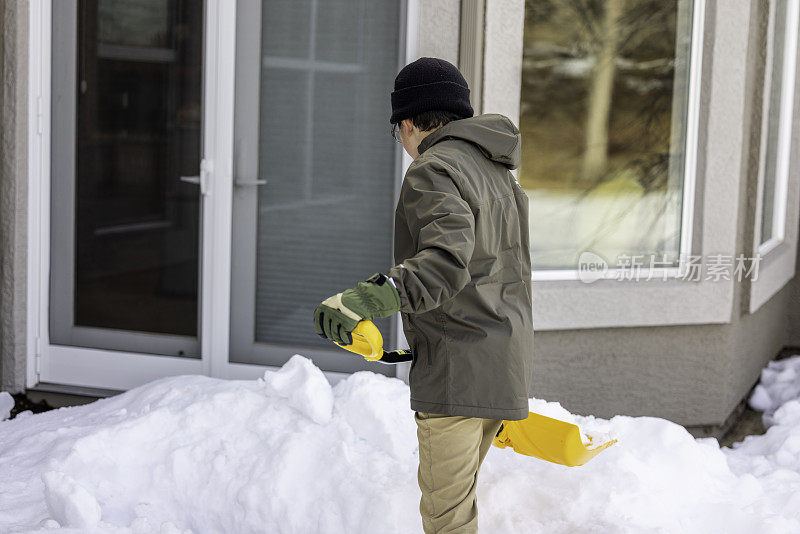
column 451, row 450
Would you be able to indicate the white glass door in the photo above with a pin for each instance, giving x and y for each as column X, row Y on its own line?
column 315, row 170
column 133, row 84
column 125, row 219
column 206, row 177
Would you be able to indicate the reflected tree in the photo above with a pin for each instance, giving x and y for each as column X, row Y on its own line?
column 601, row 151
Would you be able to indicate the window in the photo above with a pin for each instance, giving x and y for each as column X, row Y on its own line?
column 777, row 122
column 127, row 125
column 603, row 114
column 776, row 217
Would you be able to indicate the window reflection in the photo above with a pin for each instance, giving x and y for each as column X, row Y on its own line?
column 602, row 115
column 138, row 130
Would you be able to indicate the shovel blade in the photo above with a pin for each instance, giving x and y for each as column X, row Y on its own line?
column 547, row 439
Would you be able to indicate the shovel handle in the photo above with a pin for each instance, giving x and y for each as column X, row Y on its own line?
column 396, row 356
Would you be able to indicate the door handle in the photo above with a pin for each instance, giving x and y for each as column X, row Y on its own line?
column 247, row 183
column 206, row 168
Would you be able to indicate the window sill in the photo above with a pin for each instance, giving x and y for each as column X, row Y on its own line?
column 608, row 303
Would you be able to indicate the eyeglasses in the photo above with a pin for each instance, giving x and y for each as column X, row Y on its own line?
column 396, row 132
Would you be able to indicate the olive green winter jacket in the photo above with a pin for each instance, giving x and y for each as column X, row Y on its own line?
column 464, row 272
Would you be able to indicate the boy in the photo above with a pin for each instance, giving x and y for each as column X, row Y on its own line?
column 462, row 285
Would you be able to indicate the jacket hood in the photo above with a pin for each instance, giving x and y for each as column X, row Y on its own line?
column 494, row 134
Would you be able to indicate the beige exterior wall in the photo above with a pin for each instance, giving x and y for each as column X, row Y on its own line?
column 439, row 29
column 13, row 192
column 502, row 60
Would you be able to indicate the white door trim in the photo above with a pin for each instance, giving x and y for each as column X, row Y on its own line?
column 39, row 13
column 215, row 270
column 409, row 53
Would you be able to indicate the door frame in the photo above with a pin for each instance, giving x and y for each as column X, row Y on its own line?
column 80, row 367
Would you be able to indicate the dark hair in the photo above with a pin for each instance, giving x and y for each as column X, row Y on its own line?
column 428, row 120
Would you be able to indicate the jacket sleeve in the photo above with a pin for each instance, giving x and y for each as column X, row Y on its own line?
column 442, row 227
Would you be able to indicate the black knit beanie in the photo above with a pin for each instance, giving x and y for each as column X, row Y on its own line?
column 429, row 84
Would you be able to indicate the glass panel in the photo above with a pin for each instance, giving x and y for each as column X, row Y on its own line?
column 133, row 232
column 603, row 117
column 285, row 30
column 323, row 220
column 774, row 87
column 325, row 213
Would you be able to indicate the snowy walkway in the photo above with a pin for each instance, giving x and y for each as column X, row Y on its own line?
column 289, row 454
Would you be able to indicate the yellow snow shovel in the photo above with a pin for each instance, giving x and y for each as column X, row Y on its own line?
column 538, row 436
column 547, row 439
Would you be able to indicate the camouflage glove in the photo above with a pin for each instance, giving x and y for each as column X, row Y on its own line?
column 338, row 315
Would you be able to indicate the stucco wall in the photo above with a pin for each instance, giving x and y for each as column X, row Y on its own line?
column 792, row 335
column 502, row 62
column 757, row 336
column 13, row 192
column 439, row 29
column 792, row 296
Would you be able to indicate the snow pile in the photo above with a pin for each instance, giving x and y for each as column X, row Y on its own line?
column 69, row 501
column 774, row 458
column 779, row 384
column 291, row 454
column 591, row 438
column 204, row 455
column 304, row 387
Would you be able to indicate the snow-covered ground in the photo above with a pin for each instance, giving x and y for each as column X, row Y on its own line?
column 290, row 454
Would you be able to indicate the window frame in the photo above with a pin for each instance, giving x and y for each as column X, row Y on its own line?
column 778, row 253
column 690, row 162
